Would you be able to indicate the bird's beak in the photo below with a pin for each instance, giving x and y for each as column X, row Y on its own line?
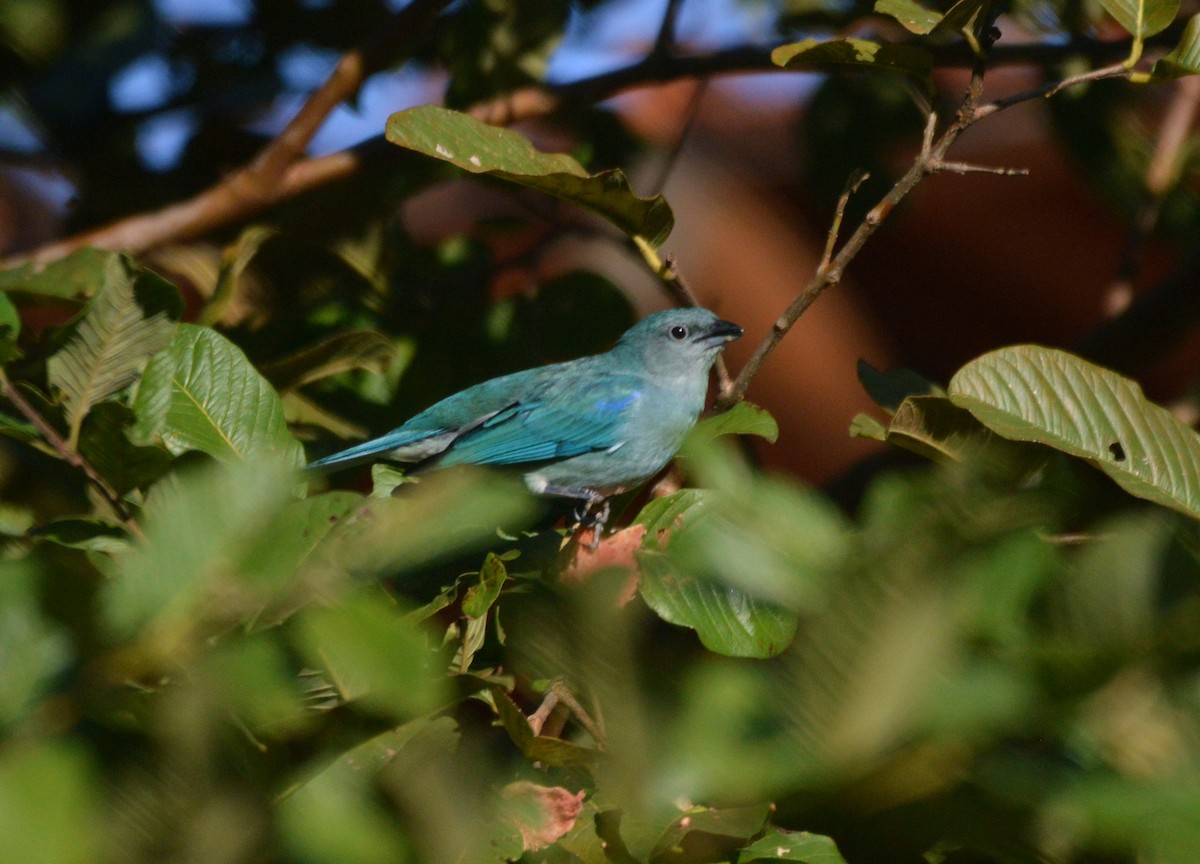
column 721, row 332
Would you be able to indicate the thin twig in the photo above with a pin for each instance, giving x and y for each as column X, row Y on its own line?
column 852, row 185
column 68, row 455
column 927, row 162
column 1051, row 88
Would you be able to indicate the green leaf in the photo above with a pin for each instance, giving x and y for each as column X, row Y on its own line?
column 341, row 352
column 199, row 527
column 662, row 516
column 480, row 597
column 866, row 426
column 888, row 389
column 728, row 620
column 80, row 274
column 737, row 822
column 914, row 17
column 234, row 261
column 103, row 442
column 482, row 149
column 373, row 654
column 801, row 846
column 811, row 54
column 10, row 329
column 33, row 651
column 744, row 418
column 203, row 394
column 108, row 349
column 1142, row 18
column 1031, row 393
column 936, row 428
column 91, row 534
column 49, row 804
column 1184, row 58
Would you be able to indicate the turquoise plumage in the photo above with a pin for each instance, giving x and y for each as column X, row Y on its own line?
column 584, row 429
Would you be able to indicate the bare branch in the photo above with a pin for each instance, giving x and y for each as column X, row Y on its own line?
column 63, row 449
column 926, row 163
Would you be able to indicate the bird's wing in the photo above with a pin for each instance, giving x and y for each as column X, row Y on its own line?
column 564, row 422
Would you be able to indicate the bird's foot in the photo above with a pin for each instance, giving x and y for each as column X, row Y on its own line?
column 593, row 514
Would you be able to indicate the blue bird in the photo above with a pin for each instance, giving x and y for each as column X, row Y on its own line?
column 585, row 429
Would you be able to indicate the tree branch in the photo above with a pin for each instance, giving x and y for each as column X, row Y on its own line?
column 62, row 448
column 251, row 190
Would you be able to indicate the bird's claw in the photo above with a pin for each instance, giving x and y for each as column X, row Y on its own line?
column 593, row 514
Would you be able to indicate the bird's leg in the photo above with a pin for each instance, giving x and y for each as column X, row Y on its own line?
column 593, row 511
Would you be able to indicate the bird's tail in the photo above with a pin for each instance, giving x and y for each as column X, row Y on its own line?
column 394, row 446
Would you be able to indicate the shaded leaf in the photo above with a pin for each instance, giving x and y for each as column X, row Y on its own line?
column 373, row 654
column 482, row 149
column 1184, row 58
column 914, row 17
column 341, row 352
column 480, row 597
column 92, row 534
column 1031, row 393
column 936, row 428
column 109, row 348
column 103, row 442
column 203, row 394
column 10, row 329
column 800, row 846
column 814, row 55
column 888, row 389
column 234, row 260
column 199, row 528
column 33, row 651
column 740, row 822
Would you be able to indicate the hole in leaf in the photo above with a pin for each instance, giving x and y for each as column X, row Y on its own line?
column 1117, row 451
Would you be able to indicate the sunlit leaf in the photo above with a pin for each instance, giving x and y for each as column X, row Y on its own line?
column 49, row 804
column 1030, row 393
column 203, row 394
column 818, row 56
column 727, row 620
column 482, row 149
column 108, row 350
column 1184, row 58
column 744, row 418
column 1142, row 18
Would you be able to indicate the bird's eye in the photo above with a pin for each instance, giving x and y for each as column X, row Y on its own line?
column 679, row 332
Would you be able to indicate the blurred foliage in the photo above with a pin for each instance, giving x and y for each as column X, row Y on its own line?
column 205, row 655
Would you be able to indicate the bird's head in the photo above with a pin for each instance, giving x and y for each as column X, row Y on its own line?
column 679, row 341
